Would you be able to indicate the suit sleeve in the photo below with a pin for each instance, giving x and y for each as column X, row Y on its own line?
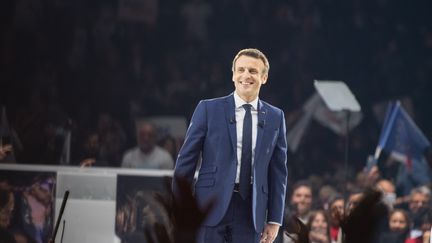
column 189, row 153
column 277, row 176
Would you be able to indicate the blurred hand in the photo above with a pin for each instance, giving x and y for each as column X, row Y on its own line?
column 185, row 213
column 373, row 174
column 4, row 150
column 401, row 200
column 315, row 236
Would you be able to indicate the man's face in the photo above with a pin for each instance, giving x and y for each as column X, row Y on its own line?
column 302, row 197
column 248, row 76
column 417, row 201
column 336, row 211
column 146, row 137
column 92, row 144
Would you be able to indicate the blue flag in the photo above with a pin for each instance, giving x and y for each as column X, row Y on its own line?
column 406, row 143
column 401, row 137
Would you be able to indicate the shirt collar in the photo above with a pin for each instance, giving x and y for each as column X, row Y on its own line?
column 239, row 102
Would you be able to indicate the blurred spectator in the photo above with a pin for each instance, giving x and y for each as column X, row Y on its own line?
column 169, row 143
column 418, row 203
column 325, row 194
column 147, row 155
column 36, row 209
column 426, row 224
column 389, row 192
column 319, row 227
column 111, row 140
column 336, row 212
column 399, row 227
column 7, row 206
column 89, row 151
column 399, row 221
column 298, row 208
column 418, row 207
column 301, row 200
column 7, row 139
column 4, row 150
column 140, row 218
column 363, row 223
column 353, row 200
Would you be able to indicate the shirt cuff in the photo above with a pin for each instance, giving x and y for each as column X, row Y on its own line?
column 274, row 223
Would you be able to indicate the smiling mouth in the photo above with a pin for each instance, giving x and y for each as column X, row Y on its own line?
column 246, row 82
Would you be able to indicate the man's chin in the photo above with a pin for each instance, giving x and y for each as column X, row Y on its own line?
column 247, row 92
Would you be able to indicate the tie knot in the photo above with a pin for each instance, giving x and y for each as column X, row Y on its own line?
column 247, row 107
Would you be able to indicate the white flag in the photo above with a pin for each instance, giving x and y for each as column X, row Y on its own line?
column 317, row 109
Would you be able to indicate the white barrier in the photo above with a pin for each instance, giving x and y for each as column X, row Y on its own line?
column 91, row 208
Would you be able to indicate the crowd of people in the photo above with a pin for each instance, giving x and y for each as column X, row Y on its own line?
column 26, row 207
column 406, row 218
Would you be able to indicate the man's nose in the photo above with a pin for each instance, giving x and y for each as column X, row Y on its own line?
column 246, row 74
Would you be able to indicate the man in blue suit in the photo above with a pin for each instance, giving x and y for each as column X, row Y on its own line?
column 241, row 142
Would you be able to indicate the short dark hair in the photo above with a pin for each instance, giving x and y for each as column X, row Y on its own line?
column 255, row 53
column 302, row 183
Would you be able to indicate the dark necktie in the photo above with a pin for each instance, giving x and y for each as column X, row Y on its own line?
column 246, row 154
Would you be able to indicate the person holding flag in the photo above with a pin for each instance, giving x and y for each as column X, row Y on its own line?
column 404, row 142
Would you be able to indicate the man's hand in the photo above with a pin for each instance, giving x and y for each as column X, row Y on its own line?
column 269, row 234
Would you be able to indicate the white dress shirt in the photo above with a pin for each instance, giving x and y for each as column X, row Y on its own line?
column 239, row 118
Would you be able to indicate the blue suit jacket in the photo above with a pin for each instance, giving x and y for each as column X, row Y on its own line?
column 212, row 136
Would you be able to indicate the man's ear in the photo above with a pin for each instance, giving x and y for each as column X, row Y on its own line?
column 264, row 78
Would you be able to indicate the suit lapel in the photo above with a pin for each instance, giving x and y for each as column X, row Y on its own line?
column 262, row 113
column 230, row 119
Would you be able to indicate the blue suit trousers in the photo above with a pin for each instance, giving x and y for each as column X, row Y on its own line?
column 236, row 226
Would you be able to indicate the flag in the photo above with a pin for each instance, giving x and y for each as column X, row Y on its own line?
column 336, row 120
column 401, row 137
column 379, row 109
